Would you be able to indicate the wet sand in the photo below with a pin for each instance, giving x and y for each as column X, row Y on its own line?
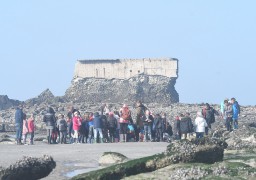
column 72, row 159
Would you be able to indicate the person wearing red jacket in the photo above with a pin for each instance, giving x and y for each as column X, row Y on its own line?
column 77, row 121
column 31, row 129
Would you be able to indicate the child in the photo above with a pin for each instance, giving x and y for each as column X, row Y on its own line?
column 31, row 129
column 25, row 129
column 62, row 126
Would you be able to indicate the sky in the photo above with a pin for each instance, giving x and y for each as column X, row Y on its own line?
column 215, row 42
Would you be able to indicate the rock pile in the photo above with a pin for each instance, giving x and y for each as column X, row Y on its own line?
column 29, row 168
column 158, row 89
column 6, row 103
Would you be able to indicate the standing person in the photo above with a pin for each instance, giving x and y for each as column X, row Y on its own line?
column 125, row 114
column 236, row 112
column 19, row 124
column 62, row 126
column 164, row 119
column 176, row 127
column 117, row 133
column 112, row 126
column 31, row 128
column 50, row 120
column 191, row 128
column 148, row 121
column 77, row 121
column 91, row 137
column 140, row 114
column 200, row 125
column 185, row 126
column 222, row 106
column 98, row 125
column 158, row 128
column 70, row 116
column 228, row 112
column 83, row 131
column 208, row 115
column 25, row 128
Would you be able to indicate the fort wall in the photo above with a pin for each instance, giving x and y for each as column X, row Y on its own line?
column 126, row 68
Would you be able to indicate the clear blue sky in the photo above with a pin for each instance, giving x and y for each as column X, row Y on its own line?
column 215, row 42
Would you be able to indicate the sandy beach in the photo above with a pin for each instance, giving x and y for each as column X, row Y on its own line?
column 72, row 159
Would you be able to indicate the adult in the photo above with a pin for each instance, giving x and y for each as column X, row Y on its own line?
column 228, row 113
column 112, row 126
column 236, row 112
column 140, row 114
column 70, row 116
column 176, row 127
column 200, row 125
column 185, row 126
column 148, row 121
column 158, row 127
column 125, row 117
column 50, row 121
column 98, row 125
column 19, row 124
column 208, row 114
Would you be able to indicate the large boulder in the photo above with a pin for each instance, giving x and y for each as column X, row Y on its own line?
column 109, row 158
column 29, row 168
column 158, row 89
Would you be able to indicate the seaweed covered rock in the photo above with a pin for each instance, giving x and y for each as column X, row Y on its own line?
column 29, row 168
column 109, row 158
column 204, row 150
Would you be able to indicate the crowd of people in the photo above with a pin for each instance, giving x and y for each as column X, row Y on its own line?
column 109, row 126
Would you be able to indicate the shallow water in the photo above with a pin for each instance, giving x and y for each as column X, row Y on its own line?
column 80, row 171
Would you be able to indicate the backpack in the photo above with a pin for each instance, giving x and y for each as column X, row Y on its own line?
column 126, row 114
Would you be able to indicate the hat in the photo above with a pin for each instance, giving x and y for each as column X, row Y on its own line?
column 125, row 105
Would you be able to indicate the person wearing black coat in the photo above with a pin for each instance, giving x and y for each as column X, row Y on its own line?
column 50, row 121
column 185, row 125
column 158, row 128
column 19, row 123
column 112, row 126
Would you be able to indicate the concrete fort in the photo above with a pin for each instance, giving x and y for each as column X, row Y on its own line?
column 151, row 80
column 126, row 68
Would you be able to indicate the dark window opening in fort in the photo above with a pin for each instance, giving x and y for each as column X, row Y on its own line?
column 138, row 71
column 130, row 70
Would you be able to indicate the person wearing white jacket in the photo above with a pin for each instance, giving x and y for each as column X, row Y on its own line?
column 200, row 125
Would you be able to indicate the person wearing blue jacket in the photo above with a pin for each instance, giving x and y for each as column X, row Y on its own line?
column 98, row 125
column 236, row 112
column 19, row 124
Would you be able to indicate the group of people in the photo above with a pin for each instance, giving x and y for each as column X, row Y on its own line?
column 108, row 125
column 24, row 127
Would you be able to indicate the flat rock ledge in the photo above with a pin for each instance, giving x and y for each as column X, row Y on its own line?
column 29, row 168
column 205, row 150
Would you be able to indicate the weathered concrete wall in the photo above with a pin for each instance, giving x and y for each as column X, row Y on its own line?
column 126, row 68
